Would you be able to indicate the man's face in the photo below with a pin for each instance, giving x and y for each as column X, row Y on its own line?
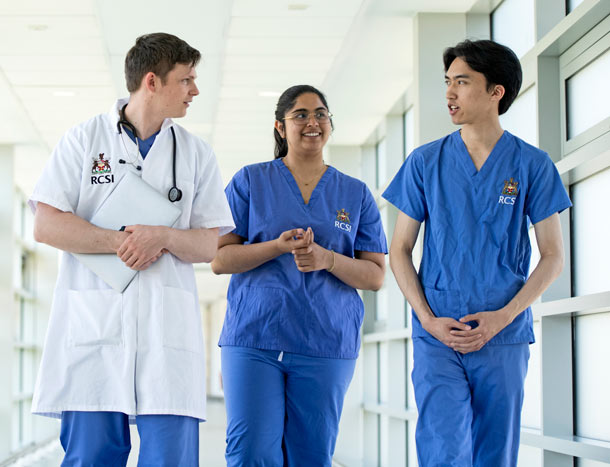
column 178, row 91
column 468, row 99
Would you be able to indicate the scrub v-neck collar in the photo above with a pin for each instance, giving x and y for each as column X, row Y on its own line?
column 292, row 183
column 467, row 162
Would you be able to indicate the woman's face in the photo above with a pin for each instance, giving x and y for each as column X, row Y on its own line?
column 307, row 126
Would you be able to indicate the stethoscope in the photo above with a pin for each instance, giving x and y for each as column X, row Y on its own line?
column 174, row 194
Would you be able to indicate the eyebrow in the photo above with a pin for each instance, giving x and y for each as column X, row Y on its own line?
column 307, row 110
column 458, row 76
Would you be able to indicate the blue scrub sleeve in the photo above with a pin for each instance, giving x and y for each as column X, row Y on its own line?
column 370, row 235
column 238, row 196
column 546, row 194
column 406, row 190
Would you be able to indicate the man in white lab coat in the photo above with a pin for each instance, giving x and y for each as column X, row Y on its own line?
column 111, row 357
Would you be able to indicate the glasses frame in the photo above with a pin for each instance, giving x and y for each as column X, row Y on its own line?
column 309, row 115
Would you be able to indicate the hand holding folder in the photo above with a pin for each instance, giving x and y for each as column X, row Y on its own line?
column 133, row 201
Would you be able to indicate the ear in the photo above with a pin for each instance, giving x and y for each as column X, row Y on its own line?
column 279, row 126
column 150, row 81
column 497, row 93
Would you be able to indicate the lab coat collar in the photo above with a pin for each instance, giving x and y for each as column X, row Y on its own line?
column 118, row 105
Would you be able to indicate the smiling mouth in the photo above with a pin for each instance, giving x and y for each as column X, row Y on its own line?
column 312, row 134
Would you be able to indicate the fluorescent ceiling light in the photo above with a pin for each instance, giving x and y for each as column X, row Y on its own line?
column 298, row 6
column 269, row 94
column 64, row 93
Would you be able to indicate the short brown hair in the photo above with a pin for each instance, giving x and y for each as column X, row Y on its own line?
column 158, row 52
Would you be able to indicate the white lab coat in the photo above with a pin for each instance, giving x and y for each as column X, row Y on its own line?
column 139, row 352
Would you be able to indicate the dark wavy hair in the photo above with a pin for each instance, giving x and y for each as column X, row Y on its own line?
column 496, row 62
column 157, row 52
column 284, row 104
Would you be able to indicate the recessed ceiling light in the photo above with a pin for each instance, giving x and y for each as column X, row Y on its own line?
column 64, row 93
column 38, row 27
column 298, row 6
column 269, row 94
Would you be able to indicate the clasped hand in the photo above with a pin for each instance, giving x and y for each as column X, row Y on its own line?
column 308, row 255
column 142, row 246
column 463, row 338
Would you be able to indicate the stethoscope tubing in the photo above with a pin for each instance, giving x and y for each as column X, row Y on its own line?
column 174, row 194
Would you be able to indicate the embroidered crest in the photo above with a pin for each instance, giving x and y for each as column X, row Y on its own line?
column 100, row 165
column 510, row 187
column 343, row 216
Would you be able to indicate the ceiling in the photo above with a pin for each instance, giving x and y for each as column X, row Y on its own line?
column 62, row 62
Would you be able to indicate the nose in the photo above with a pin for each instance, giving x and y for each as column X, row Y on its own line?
column 450, row 93
column 195, row 90
column 310, row 117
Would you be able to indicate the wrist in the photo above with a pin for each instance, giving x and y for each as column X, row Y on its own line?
column 331, row 261
column 166, row 237
column 509, row 314
column 116, row 239
column 426, row 321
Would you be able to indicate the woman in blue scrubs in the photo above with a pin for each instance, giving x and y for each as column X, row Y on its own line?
column 306, row 237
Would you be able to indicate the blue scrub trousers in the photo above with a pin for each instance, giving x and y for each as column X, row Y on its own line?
column 469, row 405
column 283, row 409
column 96, row 439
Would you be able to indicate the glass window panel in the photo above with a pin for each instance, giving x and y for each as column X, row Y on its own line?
column 383, row 373
column 586, row 105
column 15, row 426
column 592, row 386
column 520, row 119
column 410, row 391
column 409, row 132
column 380, row 159
column 529, row 456
column 530, row 415
column 512, row 24
column 589, row 463
column 369, row 352
column 411, row 445
column 381, row 299
column 590, row 246
column 384, row 430
column 370, row 439
column 573, row 4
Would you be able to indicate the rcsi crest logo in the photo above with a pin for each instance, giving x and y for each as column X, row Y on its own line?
column 342, row 221
column 101, row 171
column 509, row 192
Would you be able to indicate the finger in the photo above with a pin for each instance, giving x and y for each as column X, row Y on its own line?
column 310, row 230
column 130, row 228
column 469, row 333
column 125, row 255
column 466, row 340
column 453, row 324
column 302, row 251
column 472, row 317
column 289, row 234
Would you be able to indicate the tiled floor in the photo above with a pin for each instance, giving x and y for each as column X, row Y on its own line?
column 211, row 444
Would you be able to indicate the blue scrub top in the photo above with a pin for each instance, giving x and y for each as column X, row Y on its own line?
column 476, row 244
column 277, row 307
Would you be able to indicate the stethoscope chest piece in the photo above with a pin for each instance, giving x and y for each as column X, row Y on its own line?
column 174, row 194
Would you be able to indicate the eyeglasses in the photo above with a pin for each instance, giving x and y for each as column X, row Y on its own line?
column 302, row 118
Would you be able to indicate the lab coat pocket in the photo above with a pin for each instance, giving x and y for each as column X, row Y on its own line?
column 95, row 317
column 181, row 321
column 185, row 203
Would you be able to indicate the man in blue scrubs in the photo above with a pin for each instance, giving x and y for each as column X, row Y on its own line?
column 477, row 190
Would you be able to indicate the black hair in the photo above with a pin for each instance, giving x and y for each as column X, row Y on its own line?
column 157, row 52
column 496, row 62
column 284, row 104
